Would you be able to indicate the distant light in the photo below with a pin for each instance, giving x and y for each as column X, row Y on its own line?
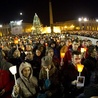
column 65, row 26
column 79, row 19
column 85, row 19
column 19, row 22
column 20, row 13
column 0, row 26
column 96, row 20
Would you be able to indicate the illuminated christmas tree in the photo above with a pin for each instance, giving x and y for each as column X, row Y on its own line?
column 36, row 25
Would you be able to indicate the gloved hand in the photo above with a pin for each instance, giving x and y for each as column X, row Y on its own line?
column 2, row 92
column 74, row 82
column 47, row 83
column 16, row 89
column 48, row 93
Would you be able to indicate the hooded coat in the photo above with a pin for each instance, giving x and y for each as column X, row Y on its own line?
column 27, row 86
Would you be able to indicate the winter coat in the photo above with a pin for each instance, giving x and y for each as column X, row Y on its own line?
column 27, row 86
column 54, row 87
column 70, row 74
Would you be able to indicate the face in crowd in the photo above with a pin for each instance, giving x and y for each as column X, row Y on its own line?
column 26, row 72
column 50, row 53
column 29, row 55
column 38, row 52
column 16, row 53
column 76, row 59
column 75, row 45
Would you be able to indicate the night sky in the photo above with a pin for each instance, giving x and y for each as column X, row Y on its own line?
column 63, row 10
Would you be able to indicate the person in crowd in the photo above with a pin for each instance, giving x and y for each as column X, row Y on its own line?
column 51, row 73
column 30, row 59
column 42, row 48
column 89, row 43
column 27, row 84
column 16, row 59
column 65, row 47
column 54, row 46
column 37, row 60
column 91, row 62
column 60, row 44
column 56, row 61
column 6, row 78
column 68, row 54
column 69, row 77
column 96, row 46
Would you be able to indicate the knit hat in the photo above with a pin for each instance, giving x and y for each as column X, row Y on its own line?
column 46, row 60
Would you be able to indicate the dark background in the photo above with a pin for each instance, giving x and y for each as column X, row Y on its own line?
column 62, row 10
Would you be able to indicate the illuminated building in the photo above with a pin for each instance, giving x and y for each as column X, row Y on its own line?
column 77, row 25
column 82, row 24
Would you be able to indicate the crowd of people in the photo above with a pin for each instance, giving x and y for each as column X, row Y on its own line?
column 41, row 70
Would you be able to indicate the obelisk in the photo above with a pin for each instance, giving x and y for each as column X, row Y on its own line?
column 51, row 16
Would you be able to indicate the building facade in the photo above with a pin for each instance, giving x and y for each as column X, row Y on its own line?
column 58, row 27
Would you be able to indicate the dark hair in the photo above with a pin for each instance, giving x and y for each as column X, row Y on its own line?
column 76, row 53
column 96, row 41
column 76, row 40
column 91, row 49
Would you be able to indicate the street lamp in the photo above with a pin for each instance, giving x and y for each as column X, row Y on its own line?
column 82, row 20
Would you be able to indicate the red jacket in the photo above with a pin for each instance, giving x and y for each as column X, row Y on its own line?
column 6, row 79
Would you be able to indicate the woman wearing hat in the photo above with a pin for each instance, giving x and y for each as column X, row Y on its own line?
column 27, row 84
column 49, row 78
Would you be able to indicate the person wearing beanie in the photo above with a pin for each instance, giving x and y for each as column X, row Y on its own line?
column 26, row 86
column 49, row 72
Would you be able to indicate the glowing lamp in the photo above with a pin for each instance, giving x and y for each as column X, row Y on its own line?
column 46, row 44
column 62, row 55
column 83, row 50
column 13, row 71
column 80, row 67
column 16, row 40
